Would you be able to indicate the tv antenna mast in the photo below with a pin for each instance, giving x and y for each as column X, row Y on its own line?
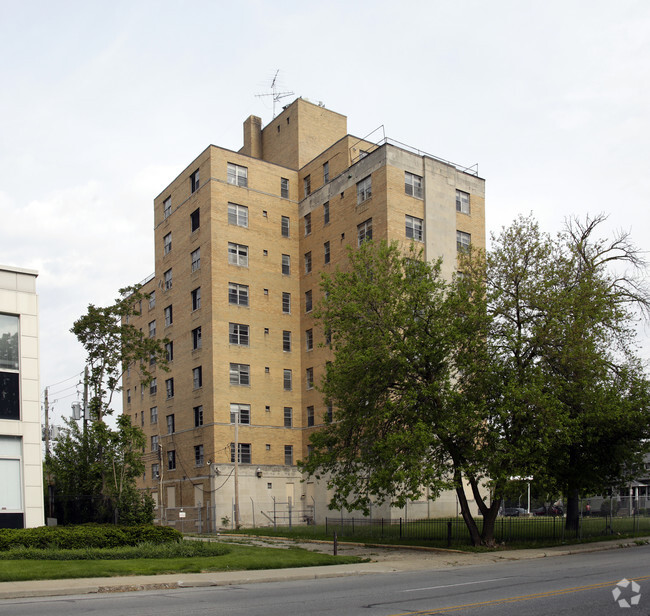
column 274, row 92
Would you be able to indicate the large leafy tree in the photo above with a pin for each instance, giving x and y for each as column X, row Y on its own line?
column 100, row 461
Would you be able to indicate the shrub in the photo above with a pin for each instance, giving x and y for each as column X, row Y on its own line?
column 85, row 536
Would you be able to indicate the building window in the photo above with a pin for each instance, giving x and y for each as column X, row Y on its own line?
column 195, row 257
column 286, row 303
column 154, row 443
column 195, row 220
column 153, row 415
column 244, row 412
column 284, row 188
column 288, row 417
column 462, row 202
column 171, row 460
column 287, row 380
column 237, row 215
column 364, row 231
column 310, row 416
column 198, row 416
column 286, row 265
column 240, row 374
column 308, row 301
column 244, row 453
column 309, row 339
column 288, row 455
column 168, row 279
column 169, row 317
column 237, row 294
column 286, row 340
column 197, row 377
column 364, row 189
column 237, row 254
column 196, row 298
column 152, row 329
column 167, row 207
column 309, row 378
column 153, row 386
column 326, row 213
column 326, row 251
column 155, row 471
column 326, row 172
column 307, row 185
column 196, row 338
column 414, row 228
column 169, row 350
column 463, row 241
column 167, row 243
column 152, row 300
column 237, row 175
column 413, row 185
column 194, row 181
column 170, row 424
column 307, row 224
column 198, row 455
column 330, row 413
column 285, row 225
column 238, row 334
column 128, row 397
column 169, row 388
column 307, row 262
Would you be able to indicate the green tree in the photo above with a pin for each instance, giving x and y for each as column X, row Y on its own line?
column 100, row 461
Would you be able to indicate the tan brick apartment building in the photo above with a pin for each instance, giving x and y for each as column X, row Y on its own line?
column 241, row 239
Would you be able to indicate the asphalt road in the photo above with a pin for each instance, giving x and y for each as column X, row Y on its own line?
column 558, row 586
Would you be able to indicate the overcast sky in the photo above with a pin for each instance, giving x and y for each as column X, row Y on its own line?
column 104, row 103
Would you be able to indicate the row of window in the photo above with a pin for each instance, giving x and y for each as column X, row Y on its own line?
column 244, row 457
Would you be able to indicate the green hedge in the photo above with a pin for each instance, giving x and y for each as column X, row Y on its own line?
column 86, row 536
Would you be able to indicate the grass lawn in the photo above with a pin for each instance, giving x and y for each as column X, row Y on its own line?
column 239, row 558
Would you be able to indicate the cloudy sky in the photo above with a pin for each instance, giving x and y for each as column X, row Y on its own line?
column 104, row 103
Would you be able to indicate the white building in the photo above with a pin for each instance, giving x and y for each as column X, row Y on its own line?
column 21, row 471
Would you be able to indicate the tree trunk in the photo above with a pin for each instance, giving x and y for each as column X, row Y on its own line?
column 474, row 533
column 572, row 509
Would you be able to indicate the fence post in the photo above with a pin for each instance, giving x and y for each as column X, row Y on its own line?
column 400, row 528
column 449, row 534
column 336, row 544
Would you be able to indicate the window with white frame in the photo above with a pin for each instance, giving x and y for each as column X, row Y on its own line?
column 307, row 262
column 154, row 442
column 238, row 294
column 241, row 410
column 288, row 455
column 155, row 471
column 198, row 416
column 462, row 202
column 152, row 328
column 237, row 215
column 152, row 300
column 169, row 387
column 244, row 453
column 413, row 184
column 167, row 207
column 195, row 220
column 171, row 460
column 285, row 226
column 196, row 338
column 288, row 417
column 194, row 181
column 364, row 189
column 237, row 175
column 153, row 386
column 238, row 334
column 237, row 254
column 307, row 220
column 463, row 240
column 153, row 415
column 197, row 377
column 308, row 301
column 240, row 374
column 195, row 257
column 414, row 228
column 326, row 213
column 288, row 380
column 286, row 303
column 326, row 172
column 167, row 276
column 169, row 316
column 169, row 350
column 307, row 185
column 309, row 378
column 364, row 231
column 171, row 424
column 286, row 340
column 198, row 455
column 167, row 243
column 284, row 188
column 326, row 252
column 310, row 416
column 196, row 298
column 286, row 265
column 309, row 339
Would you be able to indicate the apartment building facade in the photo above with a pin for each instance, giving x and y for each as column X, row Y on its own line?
column 21, row 472
column 241, row 239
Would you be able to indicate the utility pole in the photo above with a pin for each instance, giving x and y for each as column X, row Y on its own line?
column 85, row 398
column 236, row 513
column 47, row 426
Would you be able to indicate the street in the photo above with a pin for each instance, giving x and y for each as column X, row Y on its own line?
column 573, row 584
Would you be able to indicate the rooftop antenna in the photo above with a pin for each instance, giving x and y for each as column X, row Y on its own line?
column 274, row 92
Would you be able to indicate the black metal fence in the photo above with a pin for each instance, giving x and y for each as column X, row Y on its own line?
column 453, row 531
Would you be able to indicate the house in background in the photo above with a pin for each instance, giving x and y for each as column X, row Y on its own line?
column 21, row 472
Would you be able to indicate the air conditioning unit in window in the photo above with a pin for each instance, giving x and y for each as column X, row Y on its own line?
column 156, row 475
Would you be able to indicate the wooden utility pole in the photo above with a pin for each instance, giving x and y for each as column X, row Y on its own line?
column 47, row 426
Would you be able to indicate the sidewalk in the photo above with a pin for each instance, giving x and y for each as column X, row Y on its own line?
column 386, row 560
